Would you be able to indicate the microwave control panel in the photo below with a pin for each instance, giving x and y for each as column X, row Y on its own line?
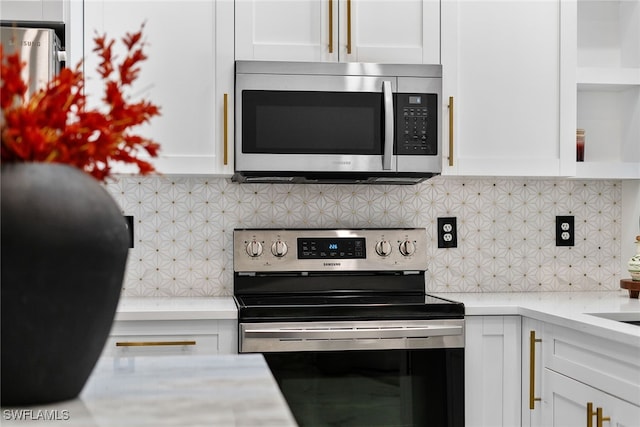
column 416, row 124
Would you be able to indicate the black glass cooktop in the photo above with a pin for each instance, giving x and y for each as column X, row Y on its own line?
column 355, row 306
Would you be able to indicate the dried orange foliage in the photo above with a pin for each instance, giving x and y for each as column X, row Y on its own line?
column 54, row 124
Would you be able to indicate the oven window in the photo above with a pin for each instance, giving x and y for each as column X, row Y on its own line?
column 281, row 122
column 373, row 388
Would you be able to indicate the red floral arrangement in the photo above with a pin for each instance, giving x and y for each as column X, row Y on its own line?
column 54, row 125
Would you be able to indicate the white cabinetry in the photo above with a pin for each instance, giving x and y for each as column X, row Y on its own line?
column 381, row 31
column 504, row 66
column 132, row 338
column 33, row 10
column 584, row 371
column 575, row 373
column 189, row 74
column 608, row 87
column 572, row 403
column 492, row 371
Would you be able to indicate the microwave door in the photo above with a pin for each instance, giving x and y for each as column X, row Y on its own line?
column 314, row 123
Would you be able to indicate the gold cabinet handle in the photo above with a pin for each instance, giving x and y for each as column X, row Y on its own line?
column 451, row 131
column 225, row 155
column 532, row 369
column 154, row 343
column 330, row 26
column 590, row 414
column 348, row 27
column 600, row 418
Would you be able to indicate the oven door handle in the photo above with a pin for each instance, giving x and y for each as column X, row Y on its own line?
column 355, row 333
column 388, row 125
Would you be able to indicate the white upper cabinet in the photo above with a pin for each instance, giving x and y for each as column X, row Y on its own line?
column 188, row 73
column 504, row 68
column 608, row 87
column 33, row 10
column 380, row 31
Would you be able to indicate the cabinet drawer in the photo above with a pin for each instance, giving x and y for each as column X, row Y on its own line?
column 606, row 365
column 171, row 337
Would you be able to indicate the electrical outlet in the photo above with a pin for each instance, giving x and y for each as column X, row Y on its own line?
column 129, row 222
column 565, row 231
column 447, row 233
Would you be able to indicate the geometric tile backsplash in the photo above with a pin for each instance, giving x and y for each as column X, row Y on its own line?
column 506, row 229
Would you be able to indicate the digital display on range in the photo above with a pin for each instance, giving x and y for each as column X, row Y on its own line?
column 331, row 248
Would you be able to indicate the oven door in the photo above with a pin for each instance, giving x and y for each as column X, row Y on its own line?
column 366, row 373
column 410, row 387
column 314, row 123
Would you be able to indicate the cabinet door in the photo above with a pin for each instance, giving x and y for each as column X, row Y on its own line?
column 188, row 70
column 492, row 371
column 285, row 30
column 505, row 65
column 379, row 31
column 532, row 369
column 567, row 401
column 390, row 31
column 33, row 10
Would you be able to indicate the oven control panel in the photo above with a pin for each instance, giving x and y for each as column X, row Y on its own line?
column 300, row 250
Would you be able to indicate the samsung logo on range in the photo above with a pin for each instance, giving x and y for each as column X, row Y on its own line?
column 332, row 264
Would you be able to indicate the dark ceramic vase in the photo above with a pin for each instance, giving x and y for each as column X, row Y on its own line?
column 64, row 251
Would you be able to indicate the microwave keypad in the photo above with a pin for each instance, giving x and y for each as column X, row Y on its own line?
column 417, row 133
column 415, row 128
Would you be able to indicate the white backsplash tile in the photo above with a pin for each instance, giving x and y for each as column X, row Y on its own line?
column 506, row 229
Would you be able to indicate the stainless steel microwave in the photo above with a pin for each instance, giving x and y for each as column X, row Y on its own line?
column 337, row 122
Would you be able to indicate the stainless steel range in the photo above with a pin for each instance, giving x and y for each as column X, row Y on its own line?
column 342, row 318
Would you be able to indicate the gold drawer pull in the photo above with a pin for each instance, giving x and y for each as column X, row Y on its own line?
column 600, row 418
column 153, row 343
column 590, row 414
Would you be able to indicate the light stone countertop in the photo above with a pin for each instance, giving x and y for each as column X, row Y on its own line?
column 176, row 308
column 175, row 391
column 569, row 309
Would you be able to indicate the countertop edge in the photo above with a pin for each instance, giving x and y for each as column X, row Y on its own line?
column 176, row 308
column 567, row 309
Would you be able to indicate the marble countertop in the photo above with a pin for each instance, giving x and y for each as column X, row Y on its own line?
column 570, row 309
column 176, row 308
column 176, row 391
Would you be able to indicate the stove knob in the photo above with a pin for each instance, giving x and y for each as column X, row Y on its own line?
column 407, row 247
column 279, row 248
column 254, row 249
column 383, row 248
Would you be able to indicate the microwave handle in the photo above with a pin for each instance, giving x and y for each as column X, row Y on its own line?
column 388, row 125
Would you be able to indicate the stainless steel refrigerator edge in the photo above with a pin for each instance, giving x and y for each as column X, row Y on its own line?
column 40, row 48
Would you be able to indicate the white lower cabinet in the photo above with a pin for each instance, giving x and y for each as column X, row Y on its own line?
column 492, row 370
column 586, row 371
column 528, row 372
column 172, row 337
column 571, row 403
column 574, row 378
